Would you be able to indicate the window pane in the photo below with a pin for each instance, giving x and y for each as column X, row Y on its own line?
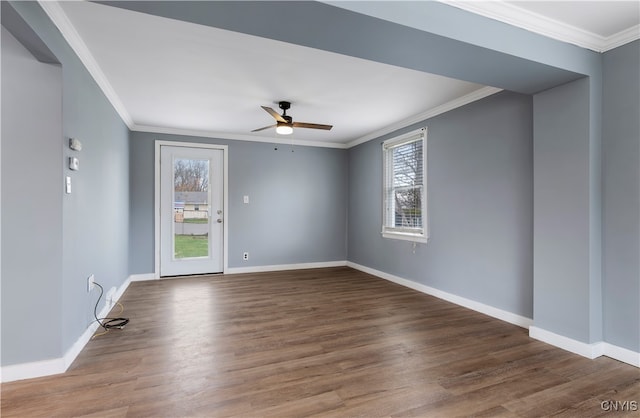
column 407, row 165
column 407, row 182
column 408, row 207
column 191, row 208
column 404, row 187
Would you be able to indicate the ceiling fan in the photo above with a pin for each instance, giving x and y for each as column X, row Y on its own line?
column 285, row 124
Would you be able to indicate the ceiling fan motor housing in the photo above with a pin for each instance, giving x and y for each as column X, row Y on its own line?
column 284, row 105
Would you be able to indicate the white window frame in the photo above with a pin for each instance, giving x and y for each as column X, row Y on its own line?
column 388, row 231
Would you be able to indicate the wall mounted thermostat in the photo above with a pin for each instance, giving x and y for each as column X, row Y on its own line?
column 74, row 163
column 75, row 144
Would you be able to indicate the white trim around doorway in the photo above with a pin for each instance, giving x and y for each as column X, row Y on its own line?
column 225, row 152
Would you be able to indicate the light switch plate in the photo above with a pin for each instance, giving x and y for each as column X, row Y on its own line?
column 74, row 163
column 75, row 144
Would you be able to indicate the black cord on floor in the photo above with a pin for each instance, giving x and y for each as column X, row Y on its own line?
column 107, row 323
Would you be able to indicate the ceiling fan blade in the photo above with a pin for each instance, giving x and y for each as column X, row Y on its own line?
column 275, row 114
column 262, row 129
column 311, row 125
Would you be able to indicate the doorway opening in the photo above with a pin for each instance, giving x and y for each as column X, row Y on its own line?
column 191, row 208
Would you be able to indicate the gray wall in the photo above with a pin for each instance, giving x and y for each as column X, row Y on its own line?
column 93, row 220
column 562, row 211
column 31, row 205
column 621, row 179
column 297, row 209
column 480, row 180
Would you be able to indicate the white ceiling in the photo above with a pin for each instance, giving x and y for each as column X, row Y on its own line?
column 598, row 25
column 173, row 74
column 164, row 75
column 602, row 18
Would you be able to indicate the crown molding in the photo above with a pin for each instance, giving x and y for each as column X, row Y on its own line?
column 438, row 110
column 622, row 38
column 289, row 140
column 476, row 95
column 542, row 25
column 71, row 35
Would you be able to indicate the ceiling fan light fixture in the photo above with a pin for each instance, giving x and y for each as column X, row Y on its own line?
column 285, row 124
column 284, row 129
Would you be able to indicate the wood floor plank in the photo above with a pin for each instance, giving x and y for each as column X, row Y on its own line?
column 330, row 342
column 559, row 398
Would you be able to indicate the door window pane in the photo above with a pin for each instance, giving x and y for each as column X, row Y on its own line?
column 191, row 208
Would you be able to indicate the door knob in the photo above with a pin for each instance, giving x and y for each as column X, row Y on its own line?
column 219, row 221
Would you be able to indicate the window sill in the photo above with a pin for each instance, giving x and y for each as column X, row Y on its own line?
column 405, row 236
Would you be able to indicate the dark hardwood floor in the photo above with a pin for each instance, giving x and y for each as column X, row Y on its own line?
column 327, row 342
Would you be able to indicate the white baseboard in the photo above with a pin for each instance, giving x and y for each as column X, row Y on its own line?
column 143, row 277
column 587, row 350
column 621, row 354
column 590, row 351
column 283, row 267
column 58, row 365
column 254, row 269
column 33, row 369
column 503, row 315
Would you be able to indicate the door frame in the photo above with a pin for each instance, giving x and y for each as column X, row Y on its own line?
column 225, row 196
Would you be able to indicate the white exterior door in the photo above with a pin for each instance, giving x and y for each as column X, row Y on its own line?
column 191, row 210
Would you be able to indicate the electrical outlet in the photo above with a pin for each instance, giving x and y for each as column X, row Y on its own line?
column 91, row 280
column 245, row 256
